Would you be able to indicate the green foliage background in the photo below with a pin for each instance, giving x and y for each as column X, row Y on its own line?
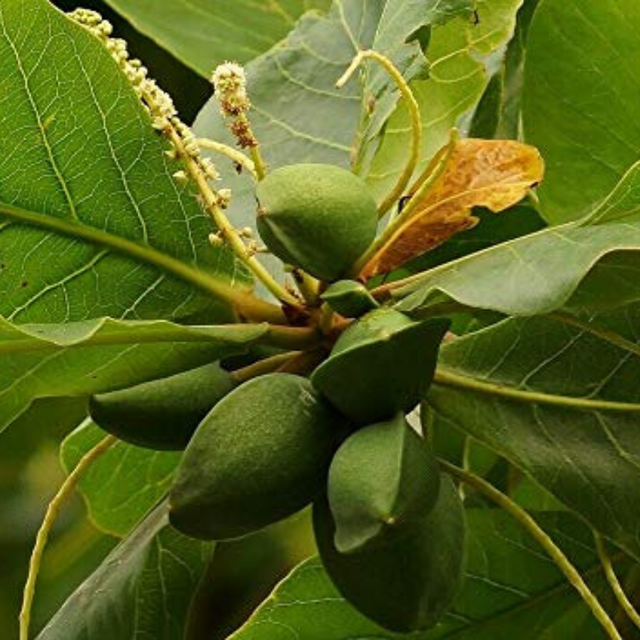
column 571, row 287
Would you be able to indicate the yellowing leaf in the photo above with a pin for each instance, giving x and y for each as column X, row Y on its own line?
column 490, row 173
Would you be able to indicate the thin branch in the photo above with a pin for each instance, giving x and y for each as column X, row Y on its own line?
column 556, row 554
column 614, row 583
column 304, row 363
column 50, row 517
column 414, row 113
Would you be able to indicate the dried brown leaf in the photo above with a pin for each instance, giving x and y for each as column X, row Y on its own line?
column 495, row 174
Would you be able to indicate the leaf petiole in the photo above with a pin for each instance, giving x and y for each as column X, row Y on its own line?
column 449, row 378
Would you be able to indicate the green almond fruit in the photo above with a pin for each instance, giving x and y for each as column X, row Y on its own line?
column 162, row 414
column 408, row 585
column 318, row 217
column 349, row 298
column 259, row 456
column 382, row 364
column 383, row 482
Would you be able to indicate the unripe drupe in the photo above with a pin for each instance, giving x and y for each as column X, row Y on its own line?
column 318, row 217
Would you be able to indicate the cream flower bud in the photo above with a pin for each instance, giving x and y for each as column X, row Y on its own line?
column 230, row 85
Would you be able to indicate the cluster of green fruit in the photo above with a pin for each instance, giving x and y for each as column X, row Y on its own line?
column 339, row 440
column 387, row 527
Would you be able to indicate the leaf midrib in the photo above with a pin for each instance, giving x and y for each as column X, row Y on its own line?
column 141, row 253
column 449, row 378
column 130, row 337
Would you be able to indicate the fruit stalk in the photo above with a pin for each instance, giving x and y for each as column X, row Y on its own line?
column 325, row 323
column 308, row 286
column 264, row 366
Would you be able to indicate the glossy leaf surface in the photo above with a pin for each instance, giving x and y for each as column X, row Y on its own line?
column 92, row 222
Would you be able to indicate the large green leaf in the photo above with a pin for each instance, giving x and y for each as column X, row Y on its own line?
column 561, row 402
column 581, row 99
column 81, row 358
column 587, row 265
column 124, row 484
column 97, row 225
column 205, row 33
column 512, row 590
column 298, row 114
column 143, row 589
column 457, row 54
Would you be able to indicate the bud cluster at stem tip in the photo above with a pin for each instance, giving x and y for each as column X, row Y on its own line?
column 158, row 103
column 230, row 84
